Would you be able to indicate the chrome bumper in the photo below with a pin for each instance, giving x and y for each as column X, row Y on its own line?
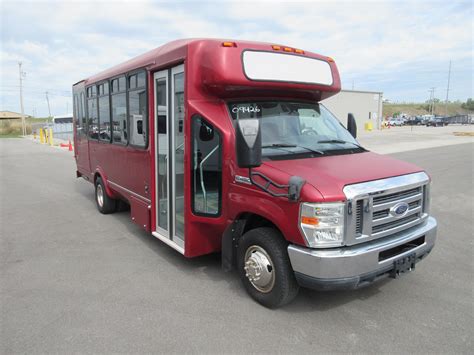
column 358, row 265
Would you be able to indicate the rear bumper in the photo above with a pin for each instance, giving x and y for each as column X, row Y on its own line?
column 359, row 265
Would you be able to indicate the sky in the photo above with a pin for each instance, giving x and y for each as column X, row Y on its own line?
column 402, row 48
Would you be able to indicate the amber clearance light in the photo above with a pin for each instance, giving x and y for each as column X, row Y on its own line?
column 229, row 44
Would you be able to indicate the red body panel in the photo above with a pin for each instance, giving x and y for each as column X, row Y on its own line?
column 214, row 73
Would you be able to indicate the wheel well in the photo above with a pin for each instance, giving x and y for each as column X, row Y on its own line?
column 96, row 175
column 230, row 239
column 253, row 221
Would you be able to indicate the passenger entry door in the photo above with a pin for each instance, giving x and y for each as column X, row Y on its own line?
column 169, row 156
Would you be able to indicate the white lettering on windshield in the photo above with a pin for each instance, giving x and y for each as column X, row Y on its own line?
column 244, row 109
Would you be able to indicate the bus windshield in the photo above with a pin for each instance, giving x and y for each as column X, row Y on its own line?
column 297, row 129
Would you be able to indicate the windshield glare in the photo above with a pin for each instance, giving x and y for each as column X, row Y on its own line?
column 291, row 127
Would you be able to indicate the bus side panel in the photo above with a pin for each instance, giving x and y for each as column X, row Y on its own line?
column 127, row 168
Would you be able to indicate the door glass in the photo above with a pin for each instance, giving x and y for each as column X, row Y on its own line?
column 162, row 156
column 178, row 113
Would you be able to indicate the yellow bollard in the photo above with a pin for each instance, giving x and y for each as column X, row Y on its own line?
column 368, row 126
column 51, row 136
column 41, row 136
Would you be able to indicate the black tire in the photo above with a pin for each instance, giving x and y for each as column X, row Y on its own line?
column 283, row 288
column 105, row 204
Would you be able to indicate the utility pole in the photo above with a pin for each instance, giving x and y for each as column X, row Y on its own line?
column 49, row 108
column 432, row 90
column 447, row 90
column 23, row 123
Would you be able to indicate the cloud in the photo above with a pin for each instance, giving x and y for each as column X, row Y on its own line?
column 399, row 47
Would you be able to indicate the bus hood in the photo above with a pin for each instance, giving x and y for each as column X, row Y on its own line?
column 330, row 174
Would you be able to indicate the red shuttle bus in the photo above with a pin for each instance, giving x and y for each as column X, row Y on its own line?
column 223, row 146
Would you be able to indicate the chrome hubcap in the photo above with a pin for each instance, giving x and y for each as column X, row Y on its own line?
column 259, row 269
column 100, row 195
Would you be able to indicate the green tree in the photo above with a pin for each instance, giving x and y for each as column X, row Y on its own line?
column 468, row 105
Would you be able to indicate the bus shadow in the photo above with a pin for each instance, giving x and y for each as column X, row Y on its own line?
column 306, row 301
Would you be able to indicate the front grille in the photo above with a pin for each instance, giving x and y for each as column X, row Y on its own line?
column 396, row 223
column 373, row 217
column 396, row 196
column 359, row 210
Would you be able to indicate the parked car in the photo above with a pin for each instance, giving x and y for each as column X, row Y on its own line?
column 396, row 122
column 415, row 121
column 436, row 122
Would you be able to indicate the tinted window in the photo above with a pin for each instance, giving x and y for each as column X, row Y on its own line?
column 132, row 81
column 119, row 118
column 115, row 85
column 141, row 80
column 104, row 118
column 137, row 114
column 122, row 83
column 92, row 118
column 161, row 105
column 206, row 168
column 82, row 113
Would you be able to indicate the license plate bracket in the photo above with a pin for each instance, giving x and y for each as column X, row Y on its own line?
column 403, row 265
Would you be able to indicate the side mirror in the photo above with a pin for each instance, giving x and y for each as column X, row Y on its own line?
column 206, row 133
column 248, row 143
column 352, row 125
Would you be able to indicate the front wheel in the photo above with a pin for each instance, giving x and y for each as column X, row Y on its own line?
column 105, row 204
column 265, row 269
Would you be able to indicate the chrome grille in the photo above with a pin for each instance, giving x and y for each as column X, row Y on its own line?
column 359, row 210
column 394, row 224
column 396, row 196
column 372, row 203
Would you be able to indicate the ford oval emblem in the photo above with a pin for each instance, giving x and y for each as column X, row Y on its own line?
column 399, row 210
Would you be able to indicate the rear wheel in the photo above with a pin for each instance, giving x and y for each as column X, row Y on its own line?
column 265, row 269
column 105, row 204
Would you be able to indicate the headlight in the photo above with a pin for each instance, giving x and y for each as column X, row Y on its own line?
column 322, row 224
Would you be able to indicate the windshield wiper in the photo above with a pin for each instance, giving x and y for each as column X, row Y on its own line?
column 286, row 145
column 341, row 142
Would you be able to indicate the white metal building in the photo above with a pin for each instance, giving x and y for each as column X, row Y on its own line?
column 366, row 106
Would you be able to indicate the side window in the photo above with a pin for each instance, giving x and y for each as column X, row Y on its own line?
column 104, row 113
column 161, row 105
column 119, row 111
column 137, row 108
column 92, row 113
column 77, row 119
column 82, row 114
column 206, row 168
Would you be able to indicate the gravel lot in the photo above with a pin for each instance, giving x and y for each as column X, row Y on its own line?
column 73, row 280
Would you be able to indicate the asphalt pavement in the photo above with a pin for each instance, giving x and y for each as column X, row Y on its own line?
column 73, row 280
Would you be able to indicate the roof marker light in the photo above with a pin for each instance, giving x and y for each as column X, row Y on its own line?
column 288, row 49
column 229, row 44
column 299, row 51
column 330, row 59
column 276, row 48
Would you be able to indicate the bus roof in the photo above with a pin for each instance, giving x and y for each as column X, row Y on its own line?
column 218, row 74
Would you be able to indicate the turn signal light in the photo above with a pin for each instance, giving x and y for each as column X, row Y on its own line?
column 229, row 44
column 309, row 220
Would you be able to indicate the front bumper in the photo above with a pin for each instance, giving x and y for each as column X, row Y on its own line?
column 359, row 265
